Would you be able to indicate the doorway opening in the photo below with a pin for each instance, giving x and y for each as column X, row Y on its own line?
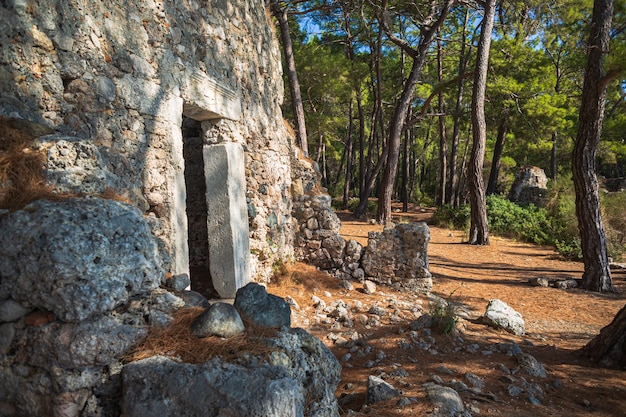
column 196, row 211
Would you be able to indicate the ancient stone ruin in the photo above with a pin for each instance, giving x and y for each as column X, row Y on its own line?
column 163, row 144
column 530, row 186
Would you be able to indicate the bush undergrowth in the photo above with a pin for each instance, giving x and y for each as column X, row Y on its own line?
column 555, row 225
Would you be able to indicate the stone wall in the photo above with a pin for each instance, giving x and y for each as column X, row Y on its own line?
column 115, row 80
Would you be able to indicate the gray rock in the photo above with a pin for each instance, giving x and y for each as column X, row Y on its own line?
column 94, row 342
column 7, row 333
column 369, row 287
column 514, row 391
column 539, row 282
column 194, row 299
column 531, row 365
column 259, row 308
column 447, row 400
column 292, row 302
column 511, row 349
column 11, row 310
column 77, row 257
column 178, row 282
column 220, row 319
column 425, row 321
column 379, row 390
column 500, row 314
column 299, row 380
column 160, row 386
column 566, row 284
column 528, row 178
column 475, row 381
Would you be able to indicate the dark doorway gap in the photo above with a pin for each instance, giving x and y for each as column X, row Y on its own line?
column 197, row 212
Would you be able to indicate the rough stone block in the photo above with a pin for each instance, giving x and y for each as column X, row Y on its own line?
column 229, row 245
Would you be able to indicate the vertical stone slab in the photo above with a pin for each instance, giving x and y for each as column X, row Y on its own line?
column 177, row 216
column 229, row 245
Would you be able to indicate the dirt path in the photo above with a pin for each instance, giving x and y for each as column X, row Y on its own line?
column 557, row 323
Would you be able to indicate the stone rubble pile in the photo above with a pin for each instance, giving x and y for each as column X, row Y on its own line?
column 356, row 330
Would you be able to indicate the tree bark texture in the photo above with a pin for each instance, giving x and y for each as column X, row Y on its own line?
column 609, row 347
column 479, row 228
column 498, row 149
column 292, row 75
column 597, row 275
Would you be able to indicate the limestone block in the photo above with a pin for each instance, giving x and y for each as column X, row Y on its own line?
column 227, row 223
column 398, row 256
column 206, row 99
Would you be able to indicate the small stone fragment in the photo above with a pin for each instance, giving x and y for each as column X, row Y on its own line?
column 379, row 390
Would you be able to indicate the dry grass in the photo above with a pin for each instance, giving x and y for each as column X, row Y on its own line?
column 21, row 168
column 22, row 178
column 176, row 341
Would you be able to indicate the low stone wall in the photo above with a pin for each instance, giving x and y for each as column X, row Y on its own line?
column 318, row 241
column 396, row 257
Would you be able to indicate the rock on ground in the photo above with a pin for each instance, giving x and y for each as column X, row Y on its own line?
column 262, row 309
column 379, row 390
column 220, row 319
column 500, row 314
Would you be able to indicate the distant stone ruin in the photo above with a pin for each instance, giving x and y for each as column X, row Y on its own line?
column 530, row 186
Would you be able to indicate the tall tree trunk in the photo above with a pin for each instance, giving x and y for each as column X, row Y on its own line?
column 404, row 183
column 396, row 125
column 371, row 171
column 453, row 176
column 460, row 188
column 492, row 185
column 443, row 144
column 597, row 275
column 359, row 103
column 553, row 159
column 280, row 14
column 479, row 229
column 349, row 162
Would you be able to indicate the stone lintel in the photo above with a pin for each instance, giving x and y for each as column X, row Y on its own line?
column 207, row 99
column 227, row 223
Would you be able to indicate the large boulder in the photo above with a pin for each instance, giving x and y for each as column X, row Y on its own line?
column 298, row 378
column 77, row 257
column 397, row 256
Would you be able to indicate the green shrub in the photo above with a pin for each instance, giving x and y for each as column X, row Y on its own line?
column 452, row 218
column 444, row 314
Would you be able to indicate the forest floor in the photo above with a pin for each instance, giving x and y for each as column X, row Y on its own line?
column 558, row 322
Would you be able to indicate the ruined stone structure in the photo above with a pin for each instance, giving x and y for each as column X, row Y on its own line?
column 530, row 186
column 147, row 98
column 173, row 105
